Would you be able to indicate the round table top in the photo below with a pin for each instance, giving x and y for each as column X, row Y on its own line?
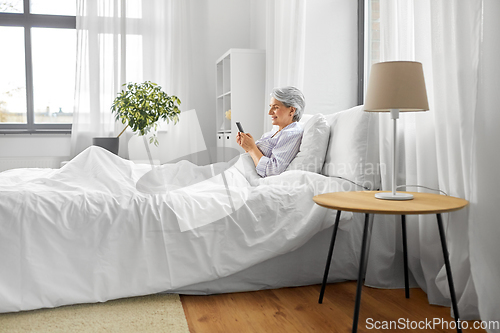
column 365, row 202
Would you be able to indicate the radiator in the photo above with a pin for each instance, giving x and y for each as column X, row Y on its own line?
column 7, row 163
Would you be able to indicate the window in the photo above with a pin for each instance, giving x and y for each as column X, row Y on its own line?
column 37, row 65
column 372, row 37
column 373, row 22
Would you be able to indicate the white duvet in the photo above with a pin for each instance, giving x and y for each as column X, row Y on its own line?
column 103, row 227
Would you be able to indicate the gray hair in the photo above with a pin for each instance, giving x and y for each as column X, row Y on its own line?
column 291, row 96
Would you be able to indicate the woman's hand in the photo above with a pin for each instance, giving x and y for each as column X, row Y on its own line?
column 238, row 138
column 246, row 141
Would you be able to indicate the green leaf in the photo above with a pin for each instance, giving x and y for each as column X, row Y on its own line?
column 141, row 105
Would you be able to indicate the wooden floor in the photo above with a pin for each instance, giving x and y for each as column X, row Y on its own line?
column 297, row 310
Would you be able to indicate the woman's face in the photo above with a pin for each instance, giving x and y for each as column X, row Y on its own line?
column 280, row 114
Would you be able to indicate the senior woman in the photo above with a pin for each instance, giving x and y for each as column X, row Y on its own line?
column 274, row 151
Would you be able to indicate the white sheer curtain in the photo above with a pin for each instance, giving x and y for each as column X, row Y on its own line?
column 123, row 41
column 285, row 45
column 446, row 37
column 484, row 226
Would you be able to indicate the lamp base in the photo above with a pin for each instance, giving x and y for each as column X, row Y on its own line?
column 395, row 196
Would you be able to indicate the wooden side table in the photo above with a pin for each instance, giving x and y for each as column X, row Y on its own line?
column 365, row 202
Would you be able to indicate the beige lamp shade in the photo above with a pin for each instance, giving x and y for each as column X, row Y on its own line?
column 396, row 85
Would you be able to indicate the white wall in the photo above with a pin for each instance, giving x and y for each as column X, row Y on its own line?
column 218, row 25
column 258, row 24
column 330, row 78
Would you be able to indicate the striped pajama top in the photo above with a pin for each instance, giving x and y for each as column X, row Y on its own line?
column 279, row 150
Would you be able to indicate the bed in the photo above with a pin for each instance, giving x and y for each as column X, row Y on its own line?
column 103, row 227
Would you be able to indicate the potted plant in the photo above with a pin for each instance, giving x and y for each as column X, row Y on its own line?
column 140, row 106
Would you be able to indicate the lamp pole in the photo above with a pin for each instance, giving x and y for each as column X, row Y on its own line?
column 393, row 195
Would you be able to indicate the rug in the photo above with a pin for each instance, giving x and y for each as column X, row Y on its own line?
column 152, row 313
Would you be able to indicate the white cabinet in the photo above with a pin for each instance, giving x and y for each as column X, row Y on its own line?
column 240, row 87
column 220, row 147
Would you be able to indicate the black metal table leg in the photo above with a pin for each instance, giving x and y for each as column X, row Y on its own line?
column 329, row 259
column 448, row 272
column 405, row 255
column 361, row 274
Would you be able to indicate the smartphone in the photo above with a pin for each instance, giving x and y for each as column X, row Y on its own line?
column 240, row 128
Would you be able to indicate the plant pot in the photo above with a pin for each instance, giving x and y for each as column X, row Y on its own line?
column 111, row 144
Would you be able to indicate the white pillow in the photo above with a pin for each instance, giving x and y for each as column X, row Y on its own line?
column 305, row 118
column 313, row 147
column 353, row 148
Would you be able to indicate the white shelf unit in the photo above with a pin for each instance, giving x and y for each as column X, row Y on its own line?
column 240, row 87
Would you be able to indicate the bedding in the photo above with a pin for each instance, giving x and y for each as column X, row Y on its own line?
column 102, row 227
column 353, row 148
column 314, row 144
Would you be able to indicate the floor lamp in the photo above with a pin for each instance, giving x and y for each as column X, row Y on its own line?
column 396, row 86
